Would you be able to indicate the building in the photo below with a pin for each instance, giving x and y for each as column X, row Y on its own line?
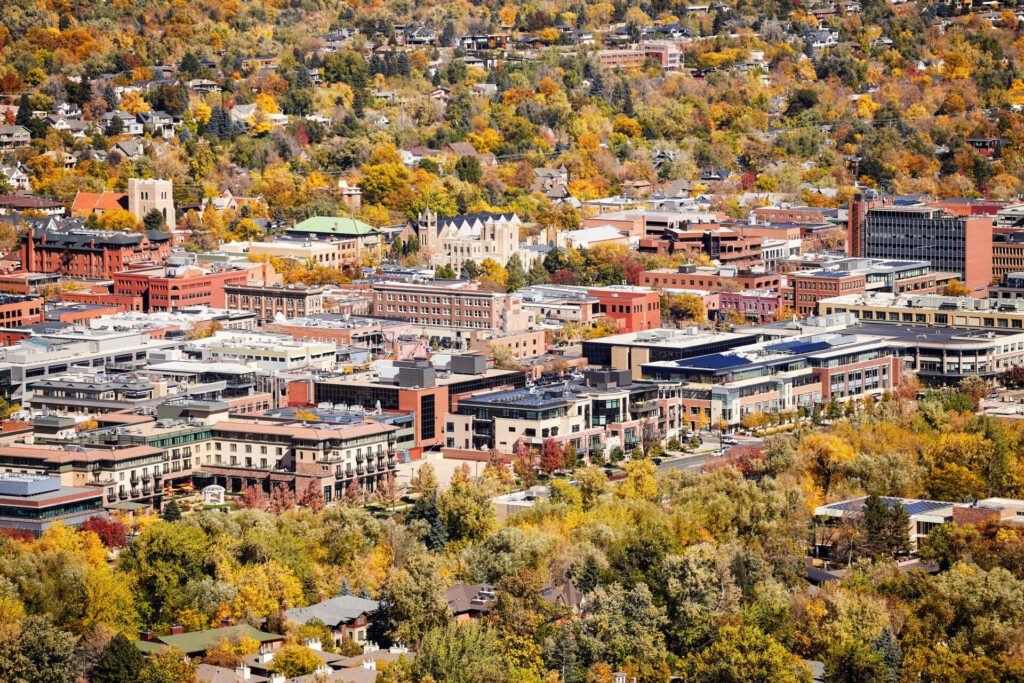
column 347, row 616
column 173, row 287
column 930, row 310
column 711, row 279
column 94, row 254
column 631, row 351
column 197, row 643
column 607, row 409
column 269, row 352
column 18, row 311
column 12, row 137
column 15, row 204
column 415, row 386
column 471, row 237
column 780, row 376
column 925, row 515
column 920, row 232
column 92, row 393
column 313, row 252
column 755, row 305
column 451, row 310
column 151, row 194
column 117, row 474
column 725, row 245
column 266, row 453
column 272, row 301
column 380, row 336
column 855, row 275
column 353, row 236
column 33, row 503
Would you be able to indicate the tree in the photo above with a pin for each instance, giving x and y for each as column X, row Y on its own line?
column 120, row 661
column 112, row 532
column 955, row 288
column 467, row 169
column 172, row 512
column 516, row 276
column 294, row 660
column 312, row 497
column 37, row 651
column 552, row 456
column 824, row 456
column 641, row 482
column 253, row 498
column 463, row 652
column 592, row 483
column 154, row 220
column 445, row 273
column 168, row 666
column 627, row 623
column 412, row 602
column 744, row 654
column 886, row 528
column 387, row 490
column 424, row 481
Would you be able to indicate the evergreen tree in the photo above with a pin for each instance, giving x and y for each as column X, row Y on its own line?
column 116, row 126
column 119, row 661
column 397, row 248
column 892, row 655
column 24, row 116
column 302, row 79
column 189, row 64
column 445, row 273
column 412, row 245
column 154, row 220
column 597, row 85
column 587, row 577
column 470, row 270
column 448, row 35
column 516, row 275
column 468, row 170
column 345, row 589
column 537, row 275
column 402, row 67
column 172, row 513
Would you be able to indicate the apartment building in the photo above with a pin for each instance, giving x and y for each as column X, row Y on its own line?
column 265, row 453
column 415, row 386
column 605, row 410
column 18, row 311
column 121, row 473
column 174, row 287
column 451, row 311
column 632, row 351
column 94, row 254
column 33, row 503
column 727, row 246
column 269, row 352
column 755, row 305
column 271, row 301
column 711, row 279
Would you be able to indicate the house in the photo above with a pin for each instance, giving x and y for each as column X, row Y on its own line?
column 469, row 601
column 713, row 175
column 16, row 177
column 161, row 122
column 14, row 136
column 197, row 643
column 463, row 149
column 202, row 86
column 485, row 41
column 68, row 110
column 130, row 149
column 130, row 124
column 348, row 616
column 240, row 113
column 60, row 159
column 420, row 36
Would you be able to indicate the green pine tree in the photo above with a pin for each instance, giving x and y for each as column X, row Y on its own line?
column 172, row 513
column 120, row 661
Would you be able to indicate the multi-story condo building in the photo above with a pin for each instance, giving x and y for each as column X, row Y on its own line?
column 711, row 279
column 269, row 352
column 632, row 351
column 270, row 301
column 96, row 254
column 33, row 503
column 608, row 409
column 451, row 311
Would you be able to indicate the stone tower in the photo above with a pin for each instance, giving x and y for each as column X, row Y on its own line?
column 144, row 195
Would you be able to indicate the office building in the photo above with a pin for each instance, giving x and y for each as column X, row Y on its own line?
column 33, row 503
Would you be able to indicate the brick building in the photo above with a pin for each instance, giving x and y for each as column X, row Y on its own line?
column 172, row 288
column 95, row 254
column 291, row 301
column 711, row 279
column 853, row 276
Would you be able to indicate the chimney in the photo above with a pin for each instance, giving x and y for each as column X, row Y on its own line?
column 146, row 635
column 226, row 621
column 177, row 629
column 242, row 672
column 314, row 644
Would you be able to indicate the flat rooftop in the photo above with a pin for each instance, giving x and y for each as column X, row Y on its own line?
column 669, row 337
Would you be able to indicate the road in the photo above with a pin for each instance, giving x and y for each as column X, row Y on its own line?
column 694, row 461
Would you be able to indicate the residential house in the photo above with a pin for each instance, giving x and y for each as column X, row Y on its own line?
column 131, row 125
column 197, row 643
column 14, row 136
column 16, row 177
column 463, row 149
column 420, row 35
column 161, row 122
column 348, row 616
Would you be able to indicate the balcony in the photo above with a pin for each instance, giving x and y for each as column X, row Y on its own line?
column 360, row 469
column 111, row 497
column 146, row 478
column 123, row 495
column 136, row 492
